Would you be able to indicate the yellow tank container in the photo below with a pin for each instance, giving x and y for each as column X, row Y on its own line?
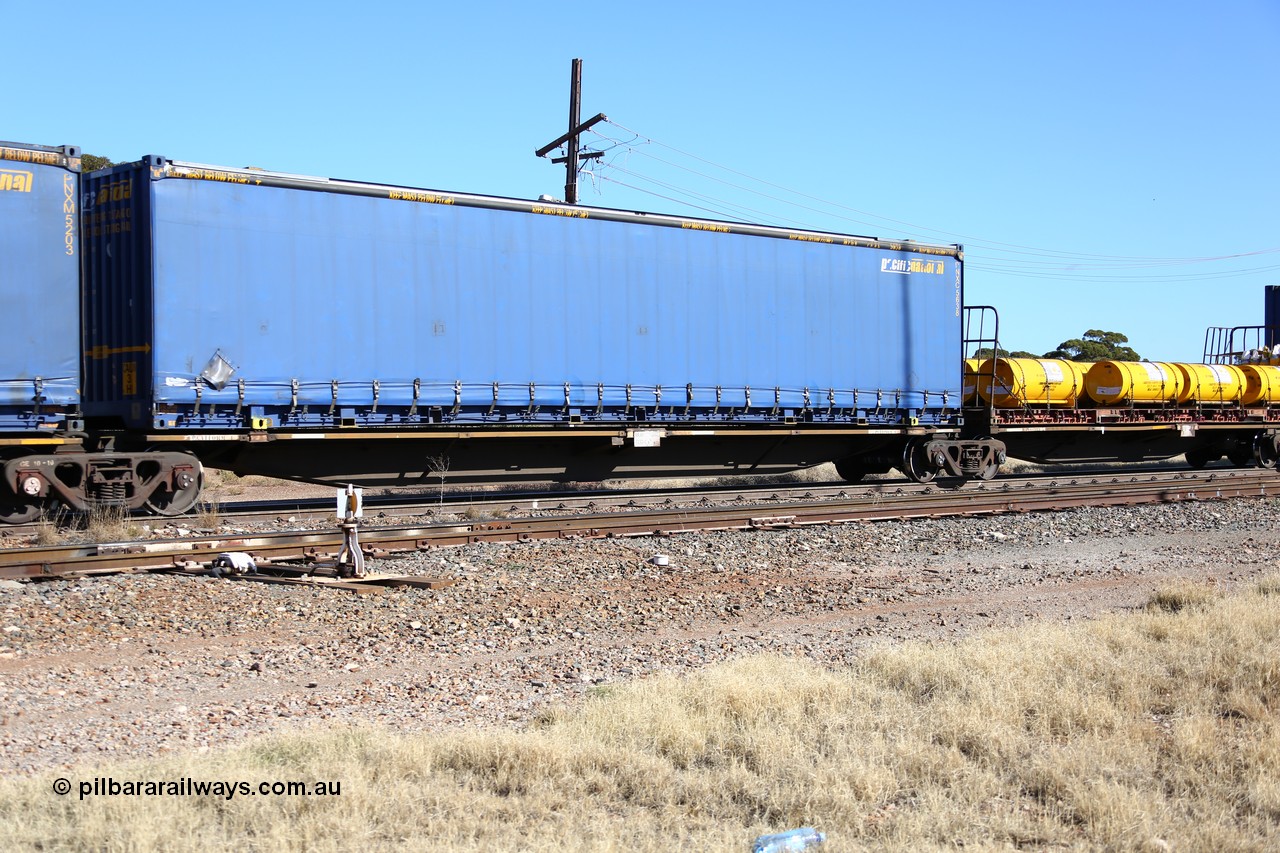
column 1261, row 385
column 1110, row 382
column 1031, row 382
column 1210, row 383
column 969, row 388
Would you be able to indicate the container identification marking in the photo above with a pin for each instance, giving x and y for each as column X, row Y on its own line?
column 129, row 379
column 959, row 286
column 69, row 211
column 14, row 180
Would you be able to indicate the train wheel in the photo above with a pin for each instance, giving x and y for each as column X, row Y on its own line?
column 170, row 502
column 1241, row 457
column 1266, row 453
column 850, row 471
column 915, row 462
column 1201, row 458
column 989, row 471
column 16, row 513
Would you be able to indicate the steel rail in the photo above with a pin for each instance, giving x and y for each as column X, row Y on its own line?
column 312, row 546
column 421, row 503
column 391, row 507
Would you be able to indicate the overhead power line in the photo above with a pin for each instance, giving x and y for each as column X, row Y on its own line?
column 996, row 257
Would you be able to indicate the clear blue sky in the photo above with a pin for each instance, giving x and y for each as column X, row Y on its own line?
column 1105, row 164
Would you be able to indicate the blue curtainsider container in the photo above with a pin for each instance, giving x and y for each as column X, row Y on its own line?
column 40, row 287
column 240, row 299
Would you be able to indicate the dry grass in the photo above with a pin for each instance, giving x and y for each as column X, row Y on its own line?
column 1184, row 594
column 226, row 484
column 1153, row 730
column 52, row 522
column 102, row 523
column 109, row 523
column 209, row 513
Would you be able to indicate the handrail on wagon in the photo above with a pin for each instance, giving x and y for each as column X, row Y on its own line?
column 1240, row 344
column 981, row 330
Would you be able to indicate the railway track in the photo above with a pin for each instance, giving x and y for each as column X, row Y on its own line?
column 300, row 552
column 485, row 504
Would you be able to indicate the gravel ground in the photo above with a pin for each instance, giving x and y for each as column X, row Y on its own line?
column 132, row 666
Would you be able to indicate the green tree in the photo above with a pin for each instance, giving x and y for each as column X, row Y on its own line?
column 1000, row 352
column 92, row 163
column 1095, row 345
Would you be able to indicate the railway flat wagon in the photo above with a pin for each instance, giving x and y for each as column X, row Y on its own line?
column 1052, row 411
column 337, row 331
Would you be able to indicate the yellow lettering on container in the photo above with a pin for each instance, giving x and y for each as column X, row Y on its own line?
column 22, row 155
column 115, row 191
column 129, row 379
column 12, row 180
column 572, row 212
column 425, row 198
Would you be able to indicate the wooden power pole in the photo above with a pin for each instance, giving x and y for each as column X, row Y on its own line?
column 576, row 127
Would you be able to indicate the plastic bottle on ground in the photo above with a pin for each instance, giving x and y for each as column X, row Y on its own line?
column 786, row 842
